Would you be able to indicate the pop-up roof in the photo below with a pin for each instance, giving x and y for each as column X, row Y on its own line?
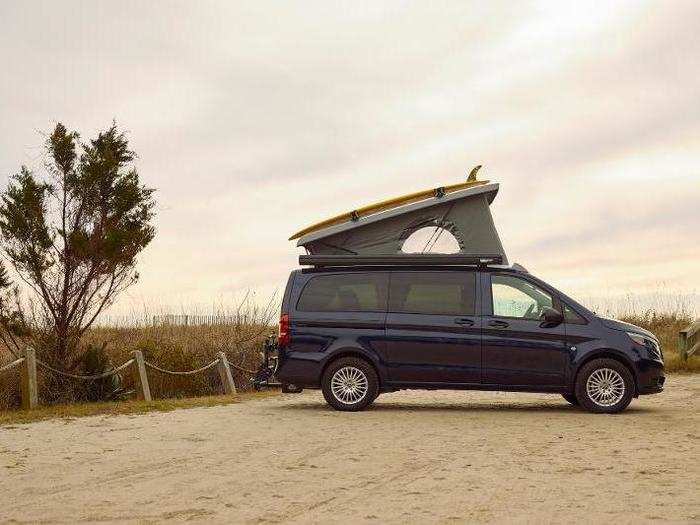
column 382, row 228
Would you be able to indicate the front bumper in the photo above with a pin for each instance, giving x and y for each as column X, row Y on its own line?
column 651, row 378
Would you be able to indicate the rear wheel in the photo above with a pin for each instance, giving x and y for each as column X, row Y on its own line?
column 571, row 398
column 604, row 386
column 350, row 384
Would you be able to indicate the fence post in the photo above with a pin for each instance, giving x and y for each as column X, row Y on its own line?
column 30, row 392
column 683, row 345
column 143, row 391
column 225, row 374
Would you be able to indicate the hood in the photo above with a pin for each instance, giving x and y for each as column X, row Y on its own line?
column 625, row 327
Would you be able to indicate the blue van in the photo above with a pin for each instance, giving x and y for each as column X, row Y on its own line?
column 358, row 326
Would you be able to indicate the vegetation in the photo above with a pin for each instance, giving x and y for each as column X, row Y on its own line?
column 172, row 347
column 72, row 237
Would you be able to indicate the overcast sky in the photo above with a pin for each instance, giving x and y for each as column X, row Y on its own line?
column 253, row 119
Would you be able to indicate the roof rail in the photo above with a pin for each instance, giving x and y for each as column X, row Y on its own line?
column 419, row 259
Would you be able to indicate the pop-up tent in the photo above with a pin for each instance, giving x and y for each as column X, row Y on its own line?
column 382, row 229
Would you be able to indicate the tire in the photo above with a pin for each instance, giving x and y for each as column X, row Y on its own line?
column 350, row 384
column 571, row 398
column 604, row 386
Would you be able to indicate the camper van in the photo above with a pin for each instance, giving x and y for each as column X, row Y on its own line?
column 356, row 327
column 364, row 317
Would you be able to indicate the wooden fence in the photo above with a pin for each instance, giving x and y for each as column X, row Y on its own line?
column 194, row 320
column 30, row 393
column 689, row 340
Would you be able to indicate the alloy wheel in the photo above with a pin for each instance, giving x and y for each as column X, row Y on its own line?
column 349, row 385
column 605, row 387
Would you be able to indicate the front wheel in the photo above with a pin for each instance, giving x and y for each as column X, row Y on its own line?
column 604, row 386
column 350, row 384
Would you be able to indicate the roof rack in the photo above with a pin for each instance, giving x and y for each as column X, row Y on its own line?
column 421, row 259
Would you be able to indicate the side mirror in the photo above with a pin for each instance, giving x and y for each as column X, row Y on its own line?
column 551, row 317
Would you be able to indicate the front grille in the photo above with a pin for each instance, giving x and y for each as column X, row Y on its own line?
column 655, row 350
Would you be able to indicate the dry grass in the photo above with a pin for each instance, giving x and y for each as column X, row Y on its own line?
column 186, row 348
column 171, row 347
column 113, row 408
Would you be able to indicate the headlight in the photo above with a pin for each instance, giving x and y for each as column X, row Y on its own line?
column 651, row 345
column 638, row 338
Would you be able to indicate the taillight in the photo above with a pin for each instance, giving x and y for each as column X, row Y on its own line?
column 283, row 334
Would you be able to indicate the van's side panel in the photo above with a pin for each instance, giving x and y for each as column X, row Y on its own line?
column 434, row 347
column 318, row 337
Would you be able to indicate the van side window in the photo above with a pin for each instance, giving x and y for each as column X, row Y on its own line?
column 348, row 292
column 438, row 293
column 516, row 297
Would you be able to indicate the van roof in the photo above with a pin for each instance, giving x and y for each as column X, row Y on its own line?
column 515, row 268
column 409, row 260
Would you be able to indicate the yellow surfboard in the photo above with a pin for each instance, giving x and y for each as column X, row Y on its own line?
column 392, row 203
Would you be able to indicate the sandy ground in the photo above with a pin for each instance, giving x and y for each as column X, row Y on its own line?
column 416, row 457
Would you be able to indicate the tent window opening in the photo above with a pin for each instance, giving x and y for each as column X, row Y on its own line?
column 431, row 239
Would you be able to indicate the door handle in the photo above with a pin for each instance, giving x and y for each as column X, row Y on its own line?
column 464, row 321
column 498, row 324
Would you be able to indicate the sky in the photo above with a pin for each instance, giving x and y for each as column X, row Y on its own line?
column 254, row 119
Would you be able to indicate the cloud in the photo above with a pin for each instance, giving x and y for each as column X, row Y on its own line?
column 253, row 119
